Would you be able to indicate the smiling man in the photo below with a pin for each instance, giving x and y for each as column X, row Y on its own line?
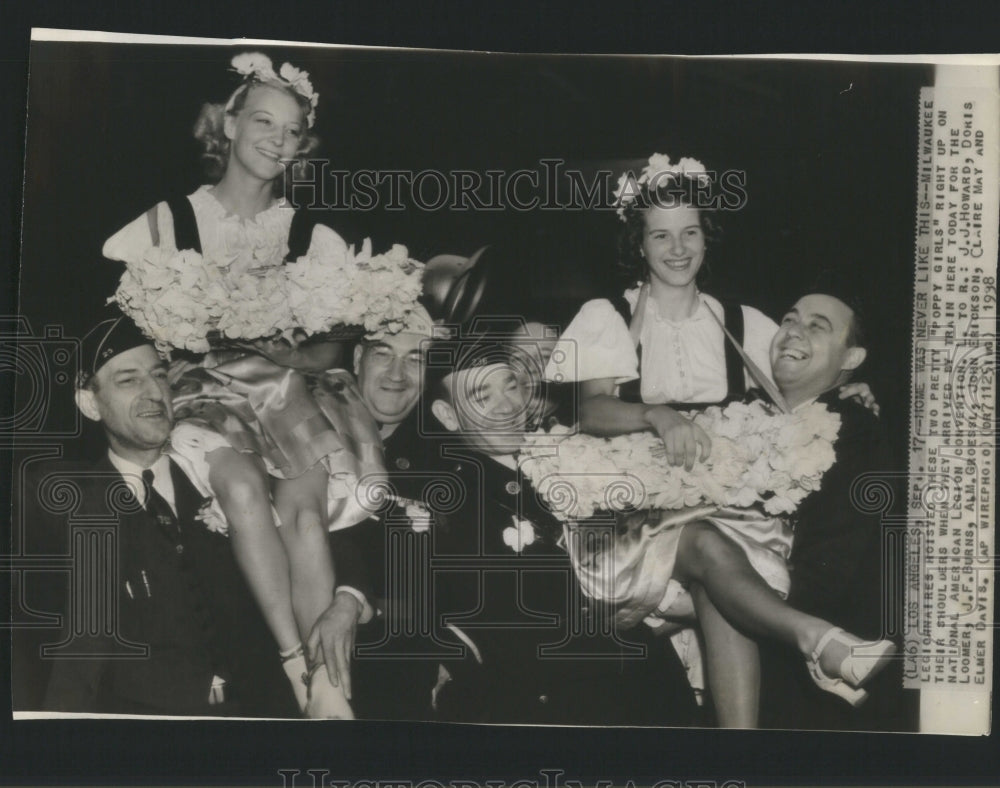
column 838, row 560
column 389, row 370
column 179, row 592
column 536, row 651
column 816, row 348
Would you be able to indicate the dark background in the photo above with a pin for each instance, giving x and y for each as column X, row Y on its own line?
column 216, row 753
column 828, row 150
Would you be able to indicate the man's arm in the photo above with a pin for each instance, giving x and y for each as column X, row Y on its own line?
column 333, row 635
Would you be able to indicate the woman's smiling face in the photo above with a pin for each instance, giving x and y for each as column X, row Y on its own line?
column 266, row 133
column 673, row 244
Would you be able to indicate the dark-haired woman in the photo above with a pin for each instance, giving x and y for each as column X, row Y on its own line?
column 639, row 360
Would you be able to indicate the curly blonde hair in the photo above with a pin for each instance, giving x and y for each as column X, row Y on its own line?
column 209, row 130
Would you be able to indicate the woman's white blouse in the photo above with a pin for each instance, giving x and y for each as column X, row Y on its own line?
column 681, row 361
column 258, row 242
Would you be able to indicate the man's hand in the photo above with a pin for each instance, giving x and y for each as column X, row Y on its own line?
column 684, row 441
column 861, row 393
column 334, row 633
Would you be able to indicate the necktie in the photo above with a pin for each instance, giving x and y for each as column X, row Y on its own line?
column 157, row 505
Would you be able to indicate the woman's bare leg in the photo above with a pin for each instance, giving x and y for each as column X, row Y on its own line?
column 239, row 481
column 741, row 595
column 732, row 664
column 302, row 509
column 301, row 506
column 735, row 602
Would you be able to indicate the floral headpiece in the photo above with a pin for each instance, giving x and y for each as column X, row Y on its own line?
column 658, row 168
column 257, row 67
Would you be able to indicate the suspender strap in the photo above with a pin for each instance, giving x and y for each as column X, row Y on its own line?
column 185, row 225
column 300, row 233
column 732, row 314
column 630, row 390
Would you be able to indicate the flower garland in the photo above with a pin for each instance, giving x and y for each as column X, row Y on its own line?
column 258, row 67
column 758, row 456
column 659, row 168
column 329, row 286
column 181, row 299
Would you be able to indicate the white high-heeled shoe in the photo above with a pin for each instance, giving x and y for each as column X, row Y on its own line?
column 862, row 663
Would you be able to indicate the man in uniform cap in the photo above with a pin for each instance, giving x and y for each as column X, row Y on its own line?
column 179, row 591
column 505, row 594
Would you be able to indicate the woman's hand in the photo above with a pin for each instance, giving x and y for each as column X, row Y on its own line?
column 684, row 441
column 861, row 393
column 279, row 350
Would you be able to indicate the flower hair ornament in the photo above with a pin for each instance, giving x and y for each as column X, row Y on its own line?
column 257, row 67
column 658, row 169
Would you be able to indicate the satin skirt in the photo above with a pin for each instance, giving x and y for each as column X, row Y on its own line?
column 631, row 565
column 289, row 418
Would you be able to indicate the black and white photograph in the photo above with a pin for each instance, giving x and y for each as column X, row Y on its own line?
column 433, row 386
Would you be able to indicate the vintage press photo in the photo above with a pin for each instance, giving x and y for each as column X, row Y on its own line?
column 505, row 389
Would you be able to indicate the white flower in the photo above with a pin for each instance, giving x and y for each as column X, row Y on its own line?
column 757, row 456
column 211, row 517
column 658, row 168
column 627, row 191
column 420, row 517
column 298, row 80
column 256, row 63
column 519, row 535
column 179, row 298
column 334, row 285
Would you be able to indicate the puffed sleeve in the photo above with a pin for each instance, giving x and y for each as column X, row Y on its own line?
column 758, row 331
column 131, row 242
column 596, row 344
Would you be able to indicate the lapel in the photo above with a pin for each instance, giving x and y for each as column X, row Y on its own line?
column 135, row 525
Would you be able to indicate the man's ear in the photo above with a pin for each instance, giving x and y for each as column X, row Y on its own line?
column 445, row 413
column 854, row 357
column 358, row 352
column 87, row 404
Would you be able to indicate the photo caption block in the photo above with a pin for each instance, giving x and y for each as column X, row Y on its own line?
column 953, row 419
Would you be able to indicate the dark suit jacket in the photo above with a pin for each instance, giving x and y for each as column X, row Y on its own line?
column 837, row 570
column 395, row 663
column 548, row 654
column 180, row 596
column 359, row 552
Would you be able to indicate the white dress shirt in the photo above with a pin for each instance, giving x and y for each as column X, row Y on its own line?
column 163, row 483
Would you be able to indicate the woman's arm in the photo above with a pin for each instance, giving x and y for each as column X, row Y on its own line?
column 602, row 413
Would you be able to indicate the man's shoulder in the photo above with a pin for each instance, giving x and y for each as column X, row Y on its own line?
column 862, row 440
column 68, row 481
column 855, row 418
